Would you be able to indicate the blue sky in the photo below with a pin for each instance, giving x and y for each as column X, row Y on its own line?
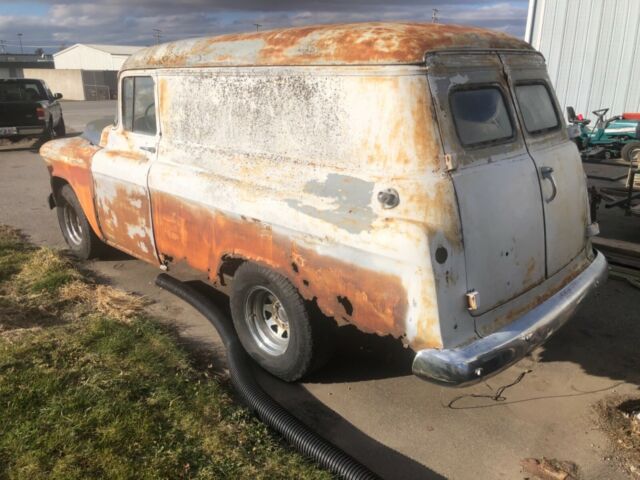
column 52, row 24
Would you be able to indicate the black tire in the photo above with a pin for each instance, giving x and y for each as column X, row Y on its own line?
column 309, row 343
column 48, row 132
column 629, row 151
column 61, row 129
column 77, row 232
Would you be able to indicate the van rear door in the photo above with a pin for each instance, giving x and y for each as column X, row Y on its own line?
column 495, row 179
column 555, row 156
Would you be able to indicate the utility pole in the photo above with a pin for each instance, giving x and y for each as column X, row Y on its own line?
column 434, row 16
column 258, row 25
column 157, row 33
column 2, row 46
column 20, row 39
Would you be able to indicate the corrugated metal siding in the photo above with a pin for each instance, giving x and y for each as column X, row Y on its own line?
column 592, row 49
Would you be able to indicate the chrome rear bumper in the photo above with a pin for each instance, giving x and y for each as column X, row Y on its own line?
column 495, row 352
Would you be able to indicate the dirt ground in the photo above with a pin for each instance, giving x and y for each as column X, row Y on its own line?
column 368, row 402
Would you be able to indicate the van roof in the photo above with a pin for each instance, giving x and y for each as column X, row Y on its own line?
column 372, row 43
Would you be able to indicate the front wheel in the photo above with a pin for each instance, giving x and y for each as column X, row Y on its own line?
column 631, row 152
column 75, row 227
column 274, row 325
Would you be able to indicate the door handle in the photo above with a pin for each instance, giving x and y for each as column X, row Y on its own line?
column 547, row 174
column 149, row 149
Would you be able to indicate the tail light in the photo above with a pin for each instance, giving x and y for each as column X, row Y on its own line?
column 40, row 113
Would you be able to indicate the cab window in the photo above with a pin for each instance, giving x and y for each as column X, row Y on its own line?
column 480, row 116
column 138, row 105
column 538, row 113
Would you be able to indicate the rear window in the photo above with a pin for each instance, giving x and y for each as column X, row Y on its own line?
column 537, row 108
column 21, row 91
column 480, row 116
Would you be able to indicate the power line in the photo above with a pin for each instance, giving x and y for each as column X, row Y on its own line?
column 157, row 33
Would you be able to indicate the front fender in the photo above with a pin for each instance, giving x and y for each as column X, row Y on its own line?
column 69, row 159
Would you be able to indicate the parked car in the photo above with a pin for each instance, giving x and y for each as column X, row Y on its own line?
column 413, row 180
column 29, row 109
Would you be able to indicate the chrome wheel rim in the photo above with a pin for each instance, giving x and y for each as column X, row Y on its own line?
column 267, row 321
column 72, row 225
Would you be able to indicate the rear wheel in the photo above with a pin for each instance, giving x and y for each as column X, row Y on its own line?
column 630, row 151
column 48, row 132
column 77, row 232
column 61, row 129
column 274, row 324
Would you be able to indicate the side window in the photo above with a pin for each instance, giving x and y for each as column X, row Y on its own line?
column 480, row 116
column 127, row 103
column 47, row 89
column 538, row 113
column 138, row 105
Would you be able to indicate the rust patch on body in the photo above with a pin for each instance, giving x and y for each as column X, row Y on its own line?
column 132, row 155
column 520, row 310
column 104, row 136
column 372, row 301
column 125, row 220
column 357, row 43
column 530, row 273
column 70, row 160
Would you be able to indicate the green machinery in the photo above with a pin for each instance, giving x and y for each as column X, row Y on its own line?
column 617, row 136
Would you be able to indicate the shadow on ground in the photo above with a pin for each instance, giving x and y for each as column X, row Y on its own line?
column 358, row 357
column 604, row 337
column 384, row 461
column 29, row 144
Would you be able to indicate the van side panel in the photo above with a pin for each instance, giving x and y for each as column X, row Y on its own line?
column 342, row 290
column 283, row 167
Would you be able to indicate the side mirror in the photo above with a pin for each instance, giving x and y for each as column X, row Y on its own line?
column 57, row 96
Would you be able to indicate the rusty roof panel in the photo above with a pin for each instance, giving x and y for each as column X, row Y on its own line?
column 346, row 44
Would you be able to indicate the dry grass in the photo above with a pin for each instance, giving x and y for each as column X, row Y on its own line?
column 620, row 419
column 90, row 387
column 104, row 299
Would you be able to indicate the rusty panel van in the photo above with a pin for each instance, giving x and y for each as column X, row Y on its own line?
column 412, row 180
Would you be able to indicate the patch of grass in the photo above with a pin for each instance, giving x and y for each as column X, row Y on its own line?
column 91, row 388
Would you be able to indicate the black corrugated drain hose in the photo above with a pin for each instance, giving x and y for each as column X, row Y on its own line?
column 301, row 437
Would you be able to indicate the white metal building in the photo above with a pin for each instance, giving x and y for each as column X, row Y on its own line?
column 93, row 57
column 592, row 49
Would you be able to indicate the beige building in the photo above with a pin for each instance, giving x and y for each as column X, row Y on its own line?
column 93, row 57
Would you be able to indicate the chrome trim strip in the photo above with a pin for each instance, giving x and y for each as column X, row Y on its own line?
column 495, row 352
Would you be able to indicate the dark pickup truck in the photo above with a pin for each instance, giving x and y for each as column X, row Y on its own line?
column 29, row 109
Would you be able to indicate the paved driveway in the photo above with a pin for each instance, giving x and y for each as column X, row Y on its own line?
column 368, row 402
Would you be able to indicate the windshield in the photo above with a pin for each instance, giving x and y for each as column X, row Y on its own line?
column 21, row 91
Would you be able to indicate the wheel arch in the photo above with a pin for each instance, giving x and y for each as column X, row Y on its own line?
column 57, row 183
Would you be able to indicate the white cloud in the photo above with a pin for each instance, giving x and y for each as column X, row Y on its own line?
column 129, row 22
